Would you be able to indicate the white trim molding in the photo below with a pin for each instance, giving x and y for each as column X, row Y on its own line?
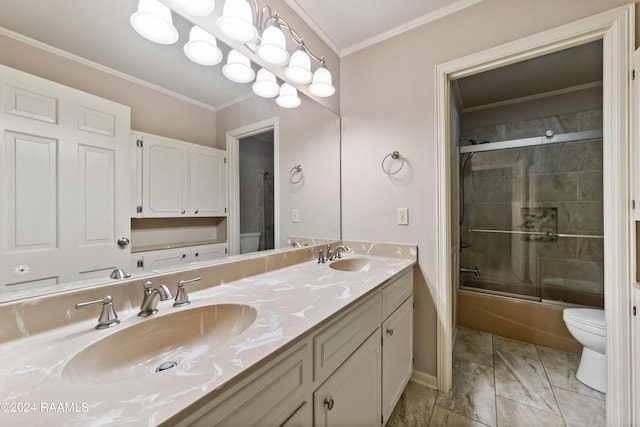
column 424, row 379
column 616, row 29
column 233, row 144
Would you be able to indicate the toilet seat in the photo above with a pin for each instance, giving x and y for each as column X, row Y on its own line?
column 588, row 319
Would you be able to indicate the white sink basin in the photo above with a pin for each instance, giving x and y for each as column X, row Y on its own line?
column 356, row 264
column 173, row 341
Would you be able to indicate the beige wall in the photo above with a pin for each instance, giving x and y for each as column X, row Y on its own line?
column 388, row 103
column 151, row 111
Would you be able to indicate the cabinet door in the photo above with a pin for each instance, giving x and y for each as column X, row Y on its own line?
column 207, row 252
column 351, row 396
column 208, row 181
column 397, row 355
column 164, row 259
column 165, row 177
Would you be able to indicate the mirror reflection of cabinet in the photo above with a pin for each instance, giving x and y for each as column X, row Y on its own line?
column 65, row 182
column 178, row 179
column 164, row 259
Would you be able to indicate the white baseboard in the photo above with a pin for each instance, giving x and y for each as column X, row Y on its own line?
column 424, row 379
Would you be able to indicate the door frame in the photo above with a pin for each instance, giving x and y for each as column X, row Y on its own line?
column 616, row 29
column 233, row 152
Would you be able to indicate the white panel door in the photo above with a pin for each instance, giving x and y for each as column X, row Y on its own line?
column 65, row 182
column 208, row 181
column 165, row 177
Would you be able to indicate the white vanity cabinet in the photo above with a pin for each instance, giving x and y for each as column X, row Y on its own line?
column 163, row 259
column 350, row 371
column 178, row 179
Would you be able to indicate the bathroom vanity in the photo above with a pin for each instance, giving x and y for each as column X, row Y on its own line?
column 273, row 338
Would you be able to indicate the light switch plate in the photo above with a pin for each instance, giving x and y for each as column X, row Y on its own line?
column 403, row 216
column 295, row 215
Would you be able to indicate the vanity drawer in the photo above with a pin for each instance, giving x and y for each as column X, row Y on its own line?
column 396, row 292
column 334, row 344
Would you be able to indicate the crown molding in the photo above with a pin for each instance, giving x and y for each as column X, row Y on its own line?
column 314, row 27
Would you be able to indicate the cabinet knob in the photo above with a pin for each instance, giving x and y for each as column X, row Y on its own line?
column 390, row 331
column 328, row 402
column 123, row 242
column 196, row 211
column 183, row 211
column 184, row 255
column 197, row 253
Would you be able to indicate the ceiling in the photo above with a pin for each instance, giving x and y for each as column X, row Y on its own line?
column 100, row 32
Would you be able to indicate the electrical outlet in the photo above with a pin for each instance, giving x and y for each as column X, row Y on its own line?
column 403, row 216
column 295, row 215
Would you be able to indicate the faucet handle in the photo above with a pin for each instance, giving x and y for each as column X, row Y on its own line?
column 108, row 316
column 181, row 297
column 321, row 259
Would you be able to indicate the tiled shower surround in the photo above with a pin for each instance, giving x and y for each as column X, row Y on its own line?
column 501, row 187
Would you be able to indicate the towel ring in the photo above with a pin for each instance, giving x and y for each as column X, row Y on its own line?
column 296, row 170
column 395, row 156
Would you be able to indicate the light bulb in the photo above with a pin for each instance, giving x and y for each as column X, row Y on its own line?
column 321, row 85
column 266, row 85
column 238, row 68
column 299, row 69
column 195, row 7
column 153, row 21
column 288, row 97
column 273, row 46
column 237, row 21
column 202, row 47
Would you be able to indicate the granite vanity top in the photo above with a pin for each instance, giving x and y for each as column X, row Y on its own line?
column 289, row 303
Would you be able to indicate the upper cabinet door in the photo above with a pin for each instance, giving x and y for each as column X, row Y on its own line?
column 165, row 177
column 208, row 181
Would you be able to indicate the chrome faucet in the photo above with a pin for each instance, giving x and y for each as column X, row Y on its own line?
column 119, row 273
column 470, row 270
column 335, row 254
column 108, row 316
column 152, row 297
column 321, row 259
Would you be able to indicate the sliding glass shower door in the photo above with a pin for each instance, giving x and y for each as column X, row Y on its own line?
column 532, row 218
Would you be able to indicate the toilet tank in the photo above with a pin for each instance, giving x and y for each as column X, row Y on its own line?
column 249, row 242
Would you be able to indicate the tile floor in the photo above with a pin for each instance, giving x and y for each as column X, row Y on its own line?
column 503, row 382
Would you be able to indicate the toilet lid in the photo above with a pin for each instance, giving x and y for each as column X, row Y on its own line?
column 589, row 316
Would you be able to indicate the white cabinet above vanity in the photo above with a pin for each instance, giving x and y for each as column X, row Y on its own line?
column 178, row 179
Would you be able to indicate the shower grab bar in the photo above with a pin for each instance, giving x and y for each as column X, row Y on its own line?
column 538, row 233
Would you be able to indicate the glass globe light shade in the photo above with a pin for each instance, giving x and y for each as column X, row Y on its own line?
column 266, row 85
column 237, row 21
column 195, row 7
column 299, row 69
column 288, row 97
column 153, row 21
column 321, row 85
column 273, row 47
column 238, row 68
column 202, row 47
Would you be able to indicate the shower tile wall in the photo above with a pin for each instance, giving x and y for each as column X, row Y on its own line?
column 565, row 176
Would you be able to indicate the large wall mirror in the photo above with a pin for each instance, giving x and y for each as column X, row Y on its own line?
column 91, row 46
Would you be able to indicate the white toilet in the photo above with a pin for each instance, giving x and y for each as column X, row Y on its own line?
column 249, row 242
column 587, row 325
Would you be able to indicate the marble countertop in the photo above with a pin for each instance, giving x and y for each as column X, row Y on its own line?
column 289, row 303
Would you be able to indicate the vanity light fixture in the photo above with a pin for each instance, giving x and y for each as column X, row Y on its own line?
column 266, row 85
column 153, row 21
column 237, row 21
column 299, row 69
column 238, row 68
column 202, row 47
column 242, row 20
column 195, row 7
column 288, row 97
column 273, row 46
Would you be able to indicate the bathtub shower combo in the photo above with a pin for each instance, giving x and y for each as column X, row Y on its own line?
column 531, row 229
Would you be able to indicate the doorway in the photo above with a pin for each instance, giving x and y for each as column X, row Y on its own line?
column 614, row 28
